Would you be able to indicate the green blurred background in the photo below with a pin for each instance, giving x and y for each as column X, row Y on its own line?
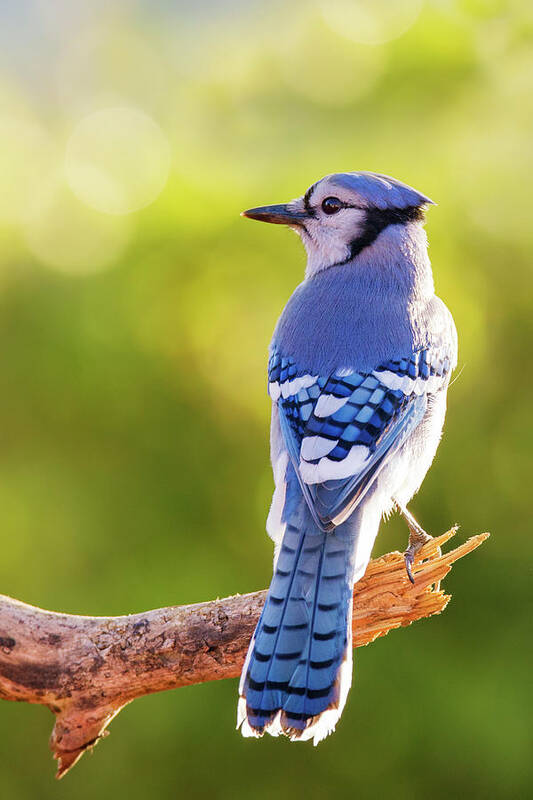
column 136, row 309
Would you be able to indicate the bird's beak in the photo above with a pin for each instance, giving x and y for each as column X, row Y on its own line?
column 279, row 215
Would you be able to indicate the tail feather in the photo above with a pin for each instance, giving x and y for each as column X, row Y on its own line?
column 298, row 669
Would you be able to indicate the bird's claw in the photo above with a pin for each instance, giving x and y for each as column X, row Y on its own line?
column 409, row 557
column 417, row 540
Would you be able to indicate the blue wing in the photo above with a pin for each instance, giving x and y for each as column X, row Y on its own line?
column 341, row 430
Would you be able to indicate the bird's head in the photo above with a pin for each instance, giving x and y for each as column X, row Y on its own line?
column 342, row 214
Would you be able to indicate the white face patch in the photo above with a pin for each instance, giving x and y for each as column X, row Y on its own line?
column 327, row 237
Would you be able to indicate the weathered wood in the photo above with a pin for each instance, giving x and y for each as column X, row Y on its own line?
column 85, row 669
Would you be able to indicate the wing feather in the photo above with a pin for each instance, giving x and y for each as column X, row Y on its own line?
column 341, row 430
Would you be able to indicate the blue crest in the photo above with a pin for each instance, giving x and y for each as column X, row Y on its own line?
column 380, row 191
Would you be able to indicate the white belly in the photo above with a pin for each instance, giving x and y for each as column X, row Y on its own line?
column 403, row 477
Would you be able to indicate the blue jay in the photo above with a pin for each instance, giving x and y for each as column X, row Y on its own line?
column 359, row 368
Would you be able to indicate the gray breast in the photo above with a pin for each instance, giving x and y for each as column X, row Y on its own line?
column 336, row 319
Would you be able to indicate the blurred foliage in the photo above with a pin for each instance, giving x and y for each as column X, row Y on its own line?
column 134, row 456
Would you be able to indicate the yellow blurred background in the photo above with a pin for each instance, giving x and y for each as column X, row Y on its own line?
column 136, row 309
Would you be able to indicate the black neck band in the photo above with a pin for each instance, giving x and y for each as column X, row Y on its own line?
column 377, row 220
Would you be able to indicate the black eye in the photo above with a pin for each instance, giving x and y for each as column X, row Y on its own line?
column 331, row 205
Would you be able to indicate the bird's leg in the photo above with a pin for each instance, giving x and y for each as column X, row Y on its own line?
column 417, row 539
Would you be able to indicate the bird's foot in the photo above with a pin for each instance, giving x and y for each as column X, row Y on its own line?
column 417, row 539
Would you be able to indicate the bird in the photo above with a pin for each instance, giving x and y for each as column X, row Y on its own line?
column 358, row 372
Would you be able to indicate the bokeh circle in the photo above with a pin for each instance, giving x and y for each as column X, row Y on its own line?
column 117, row 160
column 370, row 21
column 69, row 237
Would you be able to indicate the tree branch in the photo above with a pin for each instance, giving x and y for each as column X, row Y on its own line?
column 85, row 669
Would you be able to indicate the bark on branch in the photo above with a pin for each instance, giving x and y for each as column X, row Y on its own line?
column 85, row 669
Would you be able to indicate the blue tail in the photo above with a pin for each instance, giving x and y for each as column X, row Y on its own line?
column 298, row 669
